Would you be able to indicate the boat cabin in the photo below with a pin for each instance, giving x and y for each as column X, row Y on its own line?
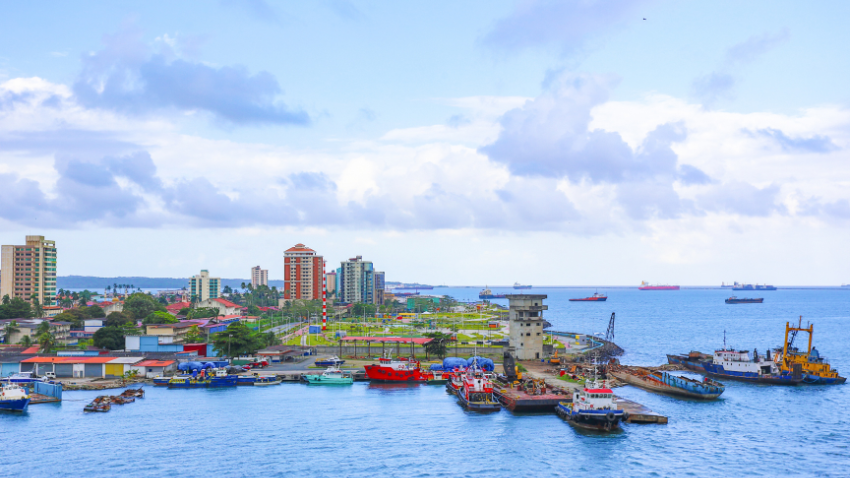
column 594, row 399
column 740, row 361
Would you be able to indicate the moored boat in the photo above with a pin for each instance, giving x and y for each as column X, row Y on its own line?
column 331, row 376
column 668, row 383
column 266, row 381
column 488, row 294
column 217, row 378
column 455, row 382
column 24, row 378
column 815, row 369
column 736, row 365
column 736, row 300
column 330, row 362
column 400, row 370
column 13, row 397
column 596, row 297
column 592, row 408
column 476, row 392
column 102, row 403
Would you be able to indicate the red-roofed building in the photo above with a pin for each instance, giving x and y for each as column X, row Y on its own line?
column 224, row 306
column 176, row 307
column 303, row 273
column 152, row 368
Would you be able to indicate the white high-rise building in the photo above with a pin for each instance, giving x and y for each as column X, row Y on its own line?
column 204, row 287
column 29, row 269
column 259, row 277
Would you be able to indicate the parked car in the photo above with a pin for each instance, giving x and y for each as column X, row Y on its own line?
column 50, row 375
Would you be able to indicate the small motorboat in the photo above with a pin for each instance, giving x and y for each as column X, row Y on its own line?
column 331, row 376
column 330, row 362
column 266, row 381
column 13, row 397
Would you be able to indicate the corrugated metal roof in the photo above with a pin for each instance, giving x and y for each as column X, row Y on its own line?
column 155, row 363
column 129, row 360
column 45, row 360
column 401, row 340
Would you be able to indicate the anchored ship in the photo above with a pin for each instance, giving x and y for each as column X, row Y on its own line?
column 488, row 294
column 517, row 285
column 752, row 287
column 644, row 285
column 728, row 363
column 735, row 300
column 596, row 297
column 815, row 369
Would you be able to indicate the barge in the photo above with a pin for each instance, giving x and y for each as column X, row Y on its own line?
column 670, row 384
column 527, row 395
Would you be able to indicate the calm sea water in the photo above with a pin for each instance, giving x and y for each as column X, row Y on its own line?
column 368, row 430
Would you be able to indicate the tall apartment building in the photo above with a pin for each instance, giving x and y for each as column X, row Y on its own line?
column 29, row 269
column 259, row 277
column 205, row 287
column 302, row 273
column 357, row 282
column 330, row 280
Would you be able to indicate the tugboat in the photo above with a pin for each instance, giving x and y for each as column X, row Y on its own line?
column 596, row 297
column 455, row 382
column 401, row 370
column 815, row 370
column 592, row 407
column 331, row 376
column 476, row 392
column 488, row 294
column 735, row 300
column 14, row 398
column 670, row 384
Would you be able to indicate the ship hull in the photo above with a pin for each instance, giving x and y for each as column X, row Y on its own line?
column 387, row 374
column 659, row 287
column 684, row 389
column 491, row 296
column 810, row 379
column 744, row 301
column 599, row 420
column 590, row 299
column 218, row 382
column 716, row 371
column 19, row 405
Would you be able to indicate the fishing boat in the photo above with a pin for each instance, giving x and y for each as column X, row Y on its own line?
column 592, row 407
column 246, row 379
column 814, row 368
column 735, row 300
column 217, row 378
column 731, row 364
column 162, row 381
column 668, row 383
column 488, row 294
column 596, row 297
column 14, row 397
column 331, row 376
column 102, row 403
column 330, row 362
column 24, row 378
column 476, row 392
column 644, row 285
column 267, row 381
column 395, row 370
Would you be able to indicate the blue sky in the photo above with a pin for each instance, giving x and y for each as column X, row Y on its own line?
column 701, row 143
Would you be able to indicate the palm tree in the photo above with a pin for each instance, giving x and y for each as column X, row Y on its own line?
column 46, row 342
column 26, row 341
column 108, row 288
column 11, row 328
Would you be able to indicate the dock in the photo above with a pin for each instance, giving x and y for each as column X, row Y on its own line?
column 36, row 398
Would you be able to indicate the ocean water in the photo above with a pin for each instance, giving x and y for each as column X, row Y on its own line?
column 385, row 430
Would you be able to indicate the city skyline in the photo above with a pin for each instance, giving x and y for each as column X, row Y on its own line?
column 624, row 141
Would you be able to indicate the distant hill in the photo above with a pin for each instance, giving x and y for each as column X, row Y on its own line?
column 97, row 283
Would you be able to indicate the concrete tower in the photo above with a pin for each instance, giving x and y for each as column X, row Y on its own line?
column 526, row 325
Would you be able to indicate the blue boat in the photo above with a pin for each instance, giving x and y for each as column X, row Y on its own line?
column 331, row 362
column 206, row 382
column 13, row 398
column 736, row 365
column 245, row 379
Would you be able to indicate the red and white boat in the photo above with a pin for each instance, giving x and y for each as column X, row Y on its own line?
column 455, row 382
column 396, row 370
column 645, row 286
column 476, row 393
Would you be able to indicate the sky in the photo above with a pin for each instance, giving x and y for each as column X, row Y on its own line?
column 481, row 142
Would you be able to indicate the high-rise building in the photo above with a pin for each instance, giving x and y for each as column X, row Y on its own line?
column 302, row 273
column 259, row 277
column 204, row 287
column 357, row 279
column 29, row 269
column 330, row 280
column 379, row 288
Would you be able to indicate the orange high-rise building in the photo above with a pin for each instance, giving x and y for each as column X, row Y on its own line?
column 303, row 272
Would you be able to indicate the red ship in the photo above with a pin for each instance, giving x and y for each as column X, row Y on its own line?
column 401, row 370
column 645, row 286
column 597, row 297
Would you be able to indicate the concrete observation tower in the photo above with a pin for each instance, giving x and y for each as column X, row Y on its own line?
column 526, row 325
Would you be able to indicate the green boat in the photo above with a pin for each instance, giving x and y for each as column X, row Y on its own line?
column 331, row 376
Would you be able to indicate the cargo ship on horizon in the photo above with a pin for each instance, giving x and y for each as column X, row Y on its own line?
column 644, row 285
column 738, row 286
column 488, row 294
column 517, row 285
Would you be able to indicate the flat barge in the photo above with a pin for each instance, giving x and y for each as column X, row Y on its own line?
column 528, row 396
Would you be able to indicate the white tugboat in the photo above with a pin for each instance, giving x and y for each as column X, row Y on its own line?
column 593, row 407
column 13, row 397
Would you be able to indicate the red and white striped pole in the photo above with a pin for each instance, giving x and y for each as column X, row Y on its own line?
column 324, row 298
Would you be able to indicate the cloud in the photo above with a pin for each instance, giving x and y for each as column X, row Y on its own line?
column 719, row 84
column 259, row 10
column 550, row 136
column 812, row 144
column 565, row 25
column 736, row 197
column 125, row 77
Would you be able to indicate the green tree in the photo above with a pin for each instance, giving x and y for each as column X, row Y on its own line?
column 237, row 340
column 46, row 342
column 74, row 316
column 10, row 329
column 83, row 344
column 117, row 319
column 202, row 313
column 437, row 347
column 184, row 311
column 6, row 299
column 193, row 336
column 16, row 308
column 140, row 305
column 95, row 312
column 43, row 328
column 37, row 311
column 111, row 338
column 26, row 341
column 159, row 317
